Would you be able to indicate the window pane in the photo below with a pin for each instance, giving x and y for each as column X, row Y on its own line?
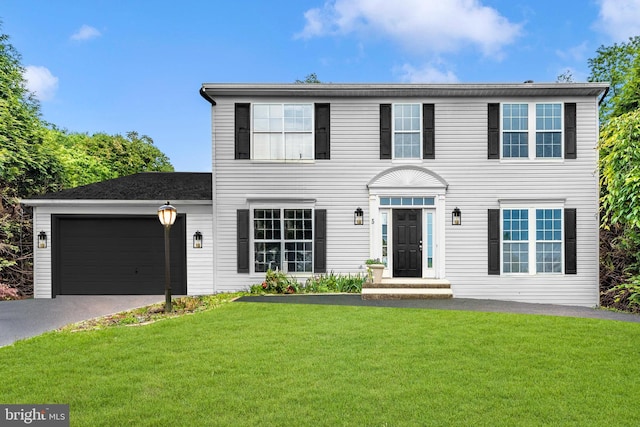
column 267, row 256
column 548, row 117
column 268, row 146
column 299, row 146
column 298, row 256
column 549, row 240
column 548, row 144
column 515, row 145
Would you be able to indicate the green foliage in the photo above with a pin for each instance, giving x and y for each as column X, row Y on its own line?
column 276, row 282
column 619, row 66
column 311, row 78
column 36, row 159
column 620, row 170
column 98, row 157
column 565, row 77
column 625, row 296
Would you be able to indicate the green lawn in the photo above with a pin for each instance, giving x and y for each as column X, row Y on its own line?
column 290, row 365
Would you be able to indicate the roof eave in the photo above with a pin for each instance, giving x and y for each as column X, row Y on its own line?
column 212, row 90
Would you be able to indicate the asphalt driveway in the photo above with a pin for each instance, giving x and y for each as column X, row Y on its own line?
column 465, row 304
column 27, row 318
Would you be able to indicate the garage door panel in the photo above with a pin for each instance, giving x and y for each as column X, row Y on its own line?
column 117, row 255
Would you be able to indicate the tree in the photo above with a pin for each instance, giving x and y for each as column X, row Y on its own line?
column 309, row 79
column 565, row 77
column 36, row 158
column 26, row 168
column 92, row 158
column 619, row 166
column 617, row 65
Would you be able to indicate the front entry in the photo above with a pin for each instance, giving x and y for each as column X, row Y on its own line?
column 407, row 243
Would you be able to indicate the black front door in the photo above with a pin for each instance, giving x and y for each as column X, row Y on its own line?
column 407, row 243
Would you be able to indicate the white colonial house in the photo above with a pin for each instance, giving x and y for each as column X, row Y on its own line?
column 479, row 190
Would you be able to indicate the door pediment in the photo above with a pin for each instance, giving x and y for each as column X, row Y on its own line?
column 408, row 177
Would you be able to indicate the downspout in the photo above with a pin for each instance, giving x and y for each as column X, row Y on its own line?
column 214, row 214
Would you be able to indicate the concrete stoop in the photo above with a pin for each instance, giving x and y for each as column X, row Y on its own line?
column 406, row 288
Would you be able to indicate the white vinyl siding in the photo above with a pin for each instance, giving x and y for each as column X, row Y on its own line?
column 198, row 218
column 474, row 185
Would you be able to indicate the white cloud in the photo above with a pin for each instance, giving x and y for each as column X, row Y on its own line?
column 574, row 53
column 427, row 74
column 620, row 19
column 418, row 25
column 86, row 32
column 41, row 82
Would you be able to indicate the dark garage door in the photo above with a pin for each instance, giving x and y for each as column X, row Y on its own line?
column 115, row 255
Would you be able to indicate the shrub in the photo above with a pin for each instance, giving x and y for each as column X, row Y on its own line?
column 625, row 297
column 279, row 283
column 276, row 282
column 8, row 293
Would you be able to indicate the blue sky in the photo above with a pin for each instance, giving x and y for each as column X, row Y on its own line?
column 122, row 65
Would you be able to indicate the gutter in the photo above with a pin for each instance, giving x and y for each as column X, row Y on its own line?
column 604, row 95
column 203, row 93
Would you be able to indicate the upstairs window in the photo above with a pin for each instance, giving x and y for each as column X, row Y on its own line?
column 406, row 131
column 515, row 130
column 283, row 132
column 532, row 131
column 548, row 130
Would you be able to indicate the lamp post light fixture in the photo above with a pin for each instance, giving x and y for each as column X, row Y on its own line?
column 358, row 217
column 167, row 215
column 197, row 240
column 456, row 217
column 42, row 240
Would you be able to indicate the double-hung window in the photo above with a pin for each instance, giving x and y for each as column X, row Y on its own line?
column 283, row 240
column 283, row 132
column 532, row 240
column 532, row 130
column 407, row 135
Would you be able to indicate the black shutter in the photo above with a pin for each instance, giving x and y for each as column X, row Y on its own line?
column 494, row 241
column 385, row 131
column 570, row 246
column 570, row 137
column 320, row 241
column 243, row 131
column 243, row 240
column 494, row 131
column 428, row 131
column 323, row 132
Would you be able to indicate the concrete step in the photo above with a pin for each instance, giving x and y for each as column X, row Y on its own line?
column 404, row 288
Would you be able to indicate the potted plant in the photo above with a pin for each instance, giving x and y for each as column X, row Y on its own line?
column 375, row 267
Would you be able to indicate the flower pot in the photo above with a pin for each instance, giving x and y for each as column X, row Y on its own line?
column 376, row 272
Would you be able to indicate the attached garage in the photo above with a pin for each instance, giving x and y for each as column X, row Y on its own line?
column 114, row 255
column 106, row 239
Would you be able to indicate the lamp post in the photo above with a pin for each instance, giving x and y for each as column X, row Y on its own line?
column 167, row 216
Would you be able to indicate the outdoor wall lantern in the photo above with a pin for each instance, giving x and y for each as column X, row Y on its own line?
column 167, row 215
column 42, row 240
column 197, row 240
column 358, row 217
column 456, row 217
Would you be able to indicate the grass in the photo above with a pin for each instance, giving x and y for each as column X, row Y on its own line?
column 278, row 364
